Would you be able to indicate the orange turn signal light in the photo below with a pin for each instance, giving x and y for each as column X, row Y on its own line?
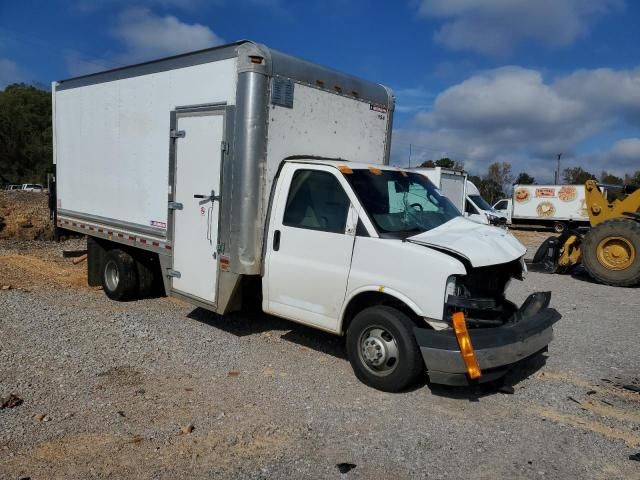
column 466, row 349
column 344, row 169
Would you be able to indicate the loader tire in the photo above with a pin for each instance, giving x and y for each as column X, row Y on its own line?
column 611, row 252
column 119, row 276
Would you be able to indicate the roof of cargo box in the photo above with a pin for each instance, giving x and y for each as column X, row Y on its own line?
column 277, row 64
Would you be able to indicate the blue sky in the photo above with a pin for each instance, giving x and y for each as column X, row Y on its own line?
column 478, row 81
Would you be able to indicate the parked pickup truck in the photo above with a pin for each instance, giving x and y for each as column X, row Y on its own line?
column 240, row 176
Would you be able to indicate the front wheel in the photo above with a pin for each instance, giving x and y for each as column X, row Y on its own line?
column 382, row 349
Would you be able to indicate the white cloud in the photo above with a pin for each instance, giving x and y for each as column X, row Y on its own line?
column 147, row 36
column 512, row 114
column 627, row 149
column 10, row 73
column 495, row 27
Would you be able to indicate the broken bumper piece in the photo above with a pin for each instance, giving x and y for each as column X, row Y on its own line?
column 496, row 349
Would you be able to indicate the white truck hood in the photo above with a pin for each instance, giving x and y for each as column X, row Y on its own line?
column 482, row 245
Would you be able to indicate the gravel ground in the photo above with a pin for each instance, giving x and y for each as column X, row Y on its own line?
column 158, row 389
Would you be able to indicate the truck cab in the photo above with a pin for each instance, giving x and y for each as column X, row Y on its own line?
column 377, row 254
column 479, row 210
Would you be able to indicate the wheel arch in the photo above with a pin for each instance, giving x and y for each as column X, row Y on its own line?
column 377, row 295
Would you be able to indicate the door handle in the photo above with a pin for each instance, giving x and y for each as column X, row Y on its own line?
column 276, row 240
column 212, row 197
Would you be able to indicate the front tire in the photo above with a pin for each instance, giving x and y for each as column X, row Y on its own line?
column 119, row 275
column 382, row 349
column 611, row 252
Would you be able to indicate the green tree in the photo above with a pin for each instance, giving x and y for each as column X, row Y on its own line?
column 444, row 162
column 497, row 180
column 576, row 175
column 25, row 133
column 524, row 178
column 632, row 178
column 606, row 177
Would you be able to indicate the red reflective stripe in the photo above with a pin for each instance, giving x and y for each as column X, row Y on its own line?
column 142, row 240
column 131, row 238
column 168, row 247
column 155, row 244
column 120, row 235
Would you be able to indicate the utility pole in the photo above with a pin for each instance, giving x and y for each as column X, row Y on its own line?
column 409, row 155
column 557, row 175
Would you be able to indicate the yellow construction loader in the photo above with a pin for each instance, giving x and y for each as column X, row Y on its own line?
column 610, row 250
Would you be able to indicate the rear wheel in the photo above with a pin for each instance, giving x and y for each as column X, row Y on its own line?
column 611, row 252
column 119, row 275
column 382, row 349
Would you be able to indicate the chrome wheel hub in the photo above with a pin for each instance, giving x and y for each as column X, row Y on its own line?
column 378, row 350
column 111, row 275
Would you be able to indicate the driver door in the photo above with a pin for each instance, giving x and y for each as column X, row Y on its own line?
column 311, row 238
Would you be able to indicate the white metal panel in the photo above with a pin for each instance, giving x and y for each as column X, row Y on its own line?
column 306, row 278
column 112, row 139
column 195, row 227
column 414, row 273
column 328, row 125
column 453, row 187
column 550, row 202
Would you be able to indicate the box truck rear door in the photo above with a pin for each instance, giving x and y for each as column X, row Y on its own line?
column 196, row 206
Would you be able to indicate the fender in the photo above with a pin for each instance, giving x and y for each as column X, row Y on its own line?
column 381, row 289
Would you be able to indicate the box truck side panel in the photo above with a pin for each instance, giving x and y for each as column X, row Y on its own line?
column 112, row 140
column 324, row 124
column 549, row 203
column 453, row 186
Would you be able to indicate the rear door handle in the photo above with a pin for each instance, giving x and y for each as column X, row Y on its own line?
column 276, row 240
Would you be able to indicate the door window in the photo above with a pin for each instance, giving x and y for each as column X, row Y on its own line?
column 501, row 205
column 316, row 201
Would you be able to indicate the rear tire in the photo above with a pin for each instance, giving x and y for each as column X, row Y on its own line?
column 382, row 349
column 611, row 252
column 119, row 275
column 147, row 268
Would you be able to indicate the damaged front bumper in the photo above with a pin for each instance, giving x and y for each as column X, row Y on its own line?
column 496, row 349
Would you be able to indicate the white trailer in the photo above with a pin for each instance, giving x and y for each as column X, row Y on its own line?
column 557, row 206
column 230, row 177
column 451, row 183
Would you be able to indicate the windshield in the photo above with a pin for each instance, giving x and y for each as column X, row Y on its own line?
column 400, row 204
column 480, row 202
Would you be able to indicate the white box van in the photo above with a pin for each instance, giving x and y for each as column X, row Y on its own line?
column 557, row 206
column 239, row 175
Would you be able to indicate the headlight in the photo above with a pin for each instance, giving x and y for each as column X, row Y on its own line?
column 450, row 289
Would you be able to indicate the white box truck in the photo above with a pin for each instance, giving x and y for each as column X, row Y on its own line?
column 557, row 206
column 240, row 176
column 464, row 195
column 479, row 210
column 451, row 183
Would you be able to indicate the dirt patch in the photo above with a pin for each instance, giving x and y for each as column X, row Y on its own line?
column 25, row 216
column 27, row 270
